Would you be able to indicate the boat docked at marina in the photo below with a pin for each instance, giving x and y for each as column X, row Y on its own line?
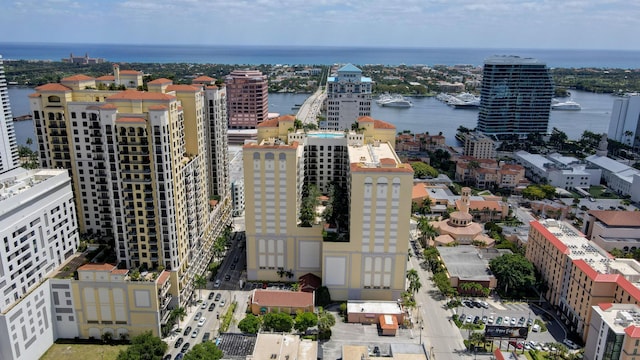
column 460, row 101
column 393, row 101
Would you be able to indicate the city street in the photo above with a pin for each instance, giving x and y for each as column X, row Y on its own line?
column 440, row 335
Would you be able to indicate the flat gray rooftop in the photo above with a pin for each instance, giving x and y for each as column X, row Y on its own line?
column 465, row 262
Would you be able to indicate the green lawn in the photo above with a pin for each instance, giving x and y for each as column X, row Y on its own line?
column 598, row 192
column 82, row 352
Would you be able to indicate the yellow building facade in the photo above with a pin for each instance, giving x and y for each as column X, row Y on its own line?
column 140, row 163
column 368, row 261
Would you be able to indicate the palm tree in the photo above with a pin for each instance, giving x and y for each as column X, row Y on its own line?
column 427, row 230
column 200, row 281
column 414, row 281
column 178, row 313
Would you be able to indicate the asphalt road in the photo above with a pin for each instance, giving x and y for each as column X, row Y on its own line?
column 441, row 337
column 311, row 107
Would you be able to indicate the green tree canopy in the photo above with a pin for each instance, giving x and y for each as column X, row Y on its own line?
column 538, row 192
column 250, row 324
column 514, row 272
column 144, row 347
column 325, row 319
column 422, row 170
column 204, row 351
column 305, row 320
column 280, row 322
column 323, row 297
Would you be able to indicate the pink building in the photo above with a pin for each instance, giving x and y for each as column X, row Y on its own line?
column 247, row 98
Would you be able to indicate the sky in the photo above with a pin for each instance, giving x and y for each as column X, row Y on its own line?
column 533, row 24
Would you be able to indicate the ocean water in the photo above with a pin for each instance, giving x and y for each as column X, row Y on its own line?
column 321, row 55
column 427, row 114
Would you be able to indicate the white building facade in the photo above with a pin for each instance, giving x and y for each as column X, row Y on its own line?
column 38, row 228
column 557, row 170
column 8, row 145
column 625, row 121
column 348, row 98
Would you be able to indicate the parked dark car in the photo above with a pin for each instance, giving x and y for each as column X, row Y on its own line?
column 185, row 348
column 178, row 343
column 187, row 331
column 476, row 319
column 211, row 295
column 212, row 306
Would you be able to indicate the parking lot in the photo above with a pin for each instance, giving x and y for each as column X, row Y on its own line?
column 512, row 314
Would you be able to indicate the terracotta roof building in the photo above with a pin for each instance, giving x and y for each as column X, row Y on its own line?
column 265, row 301
column 612, row 229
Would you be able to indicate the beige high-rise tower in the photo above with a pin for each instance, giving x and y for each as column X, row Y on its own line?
column 140, row 165
column 360, row 251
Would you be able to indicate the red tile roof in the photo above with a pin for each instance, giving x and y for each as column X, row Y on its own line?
column 97, row 267
column 593, row 274
column 160, row 81
column 204, row 78
column 365, row 119
column 140, row 95
column 379, row 124
column 53, row 87
column 79, row 77
column 189, row 88
column 309, row 282
column 282, row 298
column 164, row 276
column 629, row 288
column 605, row 306
column 108, row 106
column 384, row 325
column 275, row 121
column 617, row 218
column 419, row 191
column 130, row 72
column 549, row 236
column 120, row 271
column 633, row 331
column 106, row 77
column 34, row 95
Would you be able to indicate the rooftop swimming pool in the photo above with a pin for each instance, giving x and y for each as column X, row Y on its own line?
column 326, row 135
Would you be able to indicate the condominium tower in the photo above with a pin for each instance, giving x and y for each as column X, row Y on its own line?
column 360, row 250
column 140, row 166
column 348, row 98
column 8, row 145
column 625, row 121
column 515, row 96
column 247, row 98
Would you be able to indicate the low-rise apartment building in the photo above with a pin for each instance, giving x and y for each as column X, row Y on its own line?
column 560, row 171
column 486, row 173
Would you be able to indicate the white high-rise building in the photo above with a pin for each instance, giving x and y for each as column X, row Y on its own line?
column 625, row 121
column 348, row 98
column 38, row 232
column 8, row 145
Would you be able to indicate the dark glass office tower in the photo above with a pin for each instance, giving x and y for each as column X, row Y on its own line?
column 516, row 96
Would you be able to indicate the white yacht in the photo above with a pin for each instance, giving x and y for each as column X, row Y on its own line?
column 567, row 106
column 393, row 101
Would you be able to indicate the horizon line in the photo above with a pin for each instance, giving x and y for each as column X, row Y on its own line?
column 316, row 46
